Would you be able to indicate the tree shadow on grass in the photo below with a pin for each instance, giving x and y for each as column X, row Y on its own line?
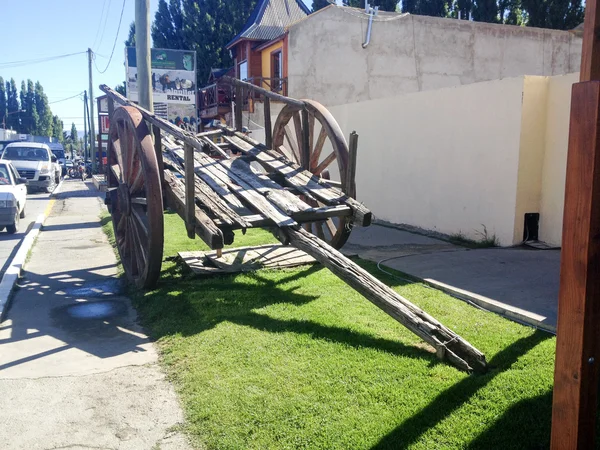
column 531, row 428
column 188, row 306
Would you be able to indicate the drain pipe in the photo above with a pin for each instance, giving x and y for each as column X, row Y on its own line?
column 372, row 14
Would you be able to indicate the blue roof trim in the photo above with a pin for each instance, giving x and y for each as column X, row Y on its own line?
column 263, row 27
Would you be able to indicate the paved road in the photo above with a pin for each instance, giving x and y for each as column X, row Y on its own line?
column 9, row 243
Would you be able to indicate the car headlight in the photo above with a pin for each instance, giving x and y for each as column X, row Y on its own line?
column 45, row 169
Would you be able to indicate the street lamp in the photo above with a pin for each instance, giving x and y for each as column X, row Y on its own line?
column 8, row 114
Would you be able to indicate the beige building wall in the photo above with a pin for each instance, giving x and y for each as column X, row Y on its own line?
column 328, row 63
column 555, row 157
column 444, row 160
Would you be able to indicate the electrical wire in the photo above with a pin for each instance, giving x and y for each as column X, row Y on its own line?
column 24, row 62
column 115, row 43
column 99, row 24
column 105, row 20
column 65, row 99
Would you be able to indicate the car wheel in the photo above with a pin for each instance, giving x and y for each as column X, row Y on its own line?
column 12, row 229
column 22, row 215
column 1, row 228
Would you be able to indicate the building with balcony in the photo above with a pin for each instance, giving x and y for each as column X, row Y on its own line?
column 259, row 52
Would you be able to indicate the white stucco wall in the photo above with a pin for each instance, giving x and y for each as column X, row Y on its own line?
column 445, row 160
column 407, row 54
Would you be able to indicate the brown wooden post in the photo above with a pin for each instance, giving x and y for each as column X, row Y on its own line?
column 239, row 104
column 190, row 187
column 574, row 407
column 349, row 181
column 268, row 127
column 305, row 155
column 158, row 151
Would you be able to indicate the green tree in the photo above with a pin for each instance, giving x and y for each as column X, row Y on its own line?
column 556, row 14
column 12, row 101
column 57, row 128
column 3, row 104
column 43, row 110
column 167, row 28
column 130, row 41
column 485, row 11
column 437, row 8
column 73, row 135
column 319, row 4
column 121, row 89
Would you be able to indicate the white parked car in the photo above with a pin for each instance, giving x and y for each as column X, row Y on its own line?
column 35, row 162
column 13, row 197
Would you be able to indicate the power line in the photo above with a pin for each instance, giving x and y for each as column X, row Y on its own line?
column 99, row 24
column 105, row 20
column 65, row 99
column 115, row 43
column 25, row 62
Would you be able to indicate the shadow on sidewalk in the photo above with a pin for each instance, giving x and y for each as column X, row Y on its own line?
column 77, row 309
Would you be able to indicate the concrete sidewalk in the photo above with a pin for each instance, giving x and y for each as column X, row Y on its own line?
column 76, row 370
column 520, row 283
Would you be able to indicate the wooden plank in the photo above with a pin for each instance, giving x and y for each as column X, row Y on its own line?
column 215, row 147
column 286, row 201
column 209, row 133
column 448, row 344
column 578, row 334
column 309, row 215
column 209, row 198
column 239, row 103
column 268, row 126
column 202, row 224
column 349, row 181
column 212, row 169
column 590, row 52
column 190, row 191
column 304, row 181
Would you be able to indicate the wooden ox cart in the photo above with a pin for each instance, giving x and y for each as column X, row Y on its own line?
column 284, row 185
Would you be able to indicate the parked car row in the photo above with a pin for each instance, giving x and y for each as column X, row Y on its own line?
column 35, row 162
column 13, row 197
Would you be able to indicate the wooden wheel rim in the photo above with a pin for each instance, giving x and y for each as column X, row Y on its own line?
column 335, row 231
column 136, row 197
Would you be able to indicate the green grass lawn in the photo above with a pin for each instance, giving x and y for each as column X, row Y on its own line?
column 294, row 358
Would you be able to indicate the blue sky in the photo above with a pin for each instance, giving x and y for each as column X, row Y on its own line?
column 34, row 29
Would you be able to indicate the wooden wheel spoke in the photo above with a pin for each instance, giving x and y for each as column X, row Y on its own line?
column 314, row 159
column 130, row 155
column 119, row 148
column 116, row 171
column 293, row 145
column 325, row 163
column 299, row 140
column 137, row 182
column 311, row 131
column 331, row 227
column 140, row 217
column 139, row 247
column 320, row 232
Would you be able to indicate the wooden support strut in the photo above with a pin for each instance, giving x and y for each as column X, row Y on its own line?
column 190, row 187
column 448, row 345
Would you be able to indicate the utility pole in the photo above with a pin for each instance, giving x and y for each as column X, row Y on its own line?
column 142, row 53
column 91, row 116
column 85, row 130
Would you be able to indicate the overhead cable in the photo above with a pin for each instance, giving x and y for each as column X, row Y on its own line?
column 115, row 42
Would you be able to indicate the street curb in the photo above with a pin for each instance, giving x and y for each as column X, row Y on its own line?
column 510, row 312
column 13, row 272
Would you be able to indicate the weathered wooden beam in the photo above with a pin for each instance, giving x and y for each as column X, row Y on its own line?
column 202, row 224
column 268, row 126
column 448, row 345
column 302, row 180
column 158, row 149
column 215, row 147
column 349, row 181
column 190, row 191
column 272, row 95
column 286, row 201
column 239, row 103
column 305, row 140
column 578, row 332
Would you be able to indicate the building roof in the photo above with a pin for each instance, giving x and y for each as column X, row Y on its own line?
column 269, row 19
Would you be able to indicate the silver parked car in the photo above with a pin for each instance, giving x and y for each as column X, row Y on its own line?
column 36, row 163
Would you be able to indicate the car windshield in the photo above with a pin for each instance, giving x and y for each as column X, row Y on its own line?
column 4, row 177
column 60, row 154
column 25, row 154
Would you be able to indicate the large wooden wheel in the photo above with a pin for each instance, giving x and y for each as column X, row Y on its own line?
column 136, row 197
column 328, row 158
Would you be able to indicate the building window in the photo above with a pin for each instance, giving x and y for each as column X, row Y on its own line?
column 276, row 71
column 243, row 70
